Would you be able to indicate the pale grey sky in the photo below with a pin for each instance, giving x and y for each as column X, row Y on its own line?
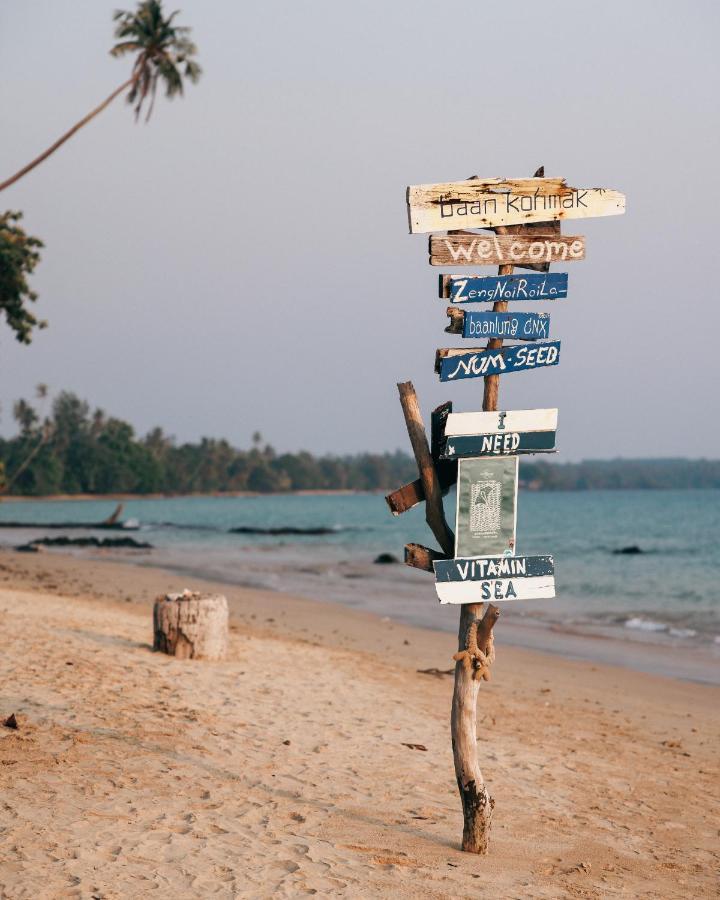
column 243, row 261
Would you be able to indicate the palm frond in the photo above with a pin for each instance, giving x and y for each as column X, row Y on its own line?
column 164, row 53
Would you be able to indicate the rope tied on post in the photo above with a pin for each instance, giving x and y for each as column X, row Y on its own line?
column 479, row 652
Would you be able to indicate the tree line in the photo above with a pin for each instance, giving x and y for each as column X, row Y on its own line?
column 74, row 449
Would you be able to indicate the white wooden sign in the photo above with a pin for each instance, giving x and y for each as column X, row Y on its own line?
column 494, row 579
column 489, row 202
column 496, row 590
column 505, row 420
column 499, row 433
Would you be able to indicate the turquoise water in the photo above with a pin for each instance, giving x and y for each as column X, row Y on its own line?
column 670, row 591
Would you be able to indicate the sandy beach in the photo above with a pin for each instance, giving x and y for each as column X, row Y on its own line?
column 316, row 759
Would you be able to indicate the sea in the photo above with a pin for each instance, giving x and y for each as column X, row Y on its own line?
column 657, row 609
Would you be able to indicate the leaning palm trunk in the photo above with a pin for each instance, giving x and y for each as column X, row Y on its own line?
column 44, row 438
column 68, row 134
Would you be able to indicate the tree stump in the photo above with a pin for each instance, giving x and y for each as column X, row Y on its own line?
column 191, row 625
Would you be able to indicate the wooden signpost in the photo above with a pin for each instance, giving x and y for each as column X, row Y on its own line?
column 476, row 566
column 490, row 288
column 454, row 364
column 522, row 326
column 512, row 250
column 487, row 203
column 495, row 578
column 493, row 433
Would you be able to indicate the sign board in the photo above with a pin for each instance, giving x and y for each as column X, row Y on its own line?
column 494, row 578
column 503, row 249
column 491, row 288
column 500, row 433
column 486, row 506
column 452, row 364
column 489, row 202
column 510, row 326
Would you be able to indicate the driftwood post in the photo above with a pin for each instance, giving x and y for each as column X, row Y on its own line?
column 525, row 216
column 191, row 625
column 477, row 803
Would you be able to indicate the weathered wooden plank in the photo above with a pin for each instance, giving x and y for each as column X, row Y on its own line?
column 420, row 557
column 491, row 288
column 486, row 507
column 446, row 469
column 434, row 510
column 501, row 444
column 452, row 364
column 506, row 325
column 504, row 249
column 496, row 590
column 479, row 569
column 493, row 202
column 501, row 421
column 409, row 495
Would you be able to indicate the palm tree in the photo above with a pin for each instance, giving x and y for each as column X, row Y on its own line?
column 164, row 54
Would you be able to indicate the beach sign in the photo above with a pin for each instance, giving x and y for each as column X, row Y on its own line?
column 454, row 364
column 491, row 202
column 486, row 506
column 494, row 579
column 492, row 288
column 503, row 249
column 522, row 326
column 476, row 564
column 500, row 433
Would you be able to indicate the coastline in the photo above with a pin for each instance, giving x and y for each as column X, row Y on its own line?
column 120, row 497
column 362, row 587
column 287, row 768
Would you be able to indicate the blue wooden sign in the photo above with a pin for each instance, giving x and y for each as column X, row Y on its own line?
column 500, row 444
column 490, row 288
column 511, row 326
column 454, row 364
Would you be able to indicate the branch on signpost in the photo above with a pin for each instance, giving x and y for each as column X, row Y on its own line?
column 457, row 320
column 420, row 557
column 409, row 495
column 434, row 512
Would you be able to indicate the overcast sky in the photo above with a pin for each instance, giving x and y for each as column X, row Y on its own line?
column 243, row 261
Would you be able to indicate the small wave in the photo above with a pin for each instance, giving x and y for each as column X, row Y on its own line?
column 645, row 624
column 682, row 632
column 290, row 530
column 641, row 624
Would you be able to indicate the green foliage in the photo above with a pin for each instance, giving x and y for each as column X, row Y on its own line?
column 19, row 255
column 164, row 53
column 78, row 450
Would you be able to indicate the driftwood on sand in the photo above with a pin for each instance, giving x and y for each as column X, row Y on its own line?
column 191, row 625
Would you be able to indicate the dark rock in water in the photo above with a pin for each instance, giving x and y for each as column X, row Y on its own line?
column 113, row 522
column 385, row 558
column 64, row 541
column 629, row 551
column 289, row 529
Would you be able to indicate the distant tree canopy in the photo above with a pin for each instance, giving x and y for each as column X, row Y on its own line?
column 75, row 449
column 19, row 254
column 78, row 450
